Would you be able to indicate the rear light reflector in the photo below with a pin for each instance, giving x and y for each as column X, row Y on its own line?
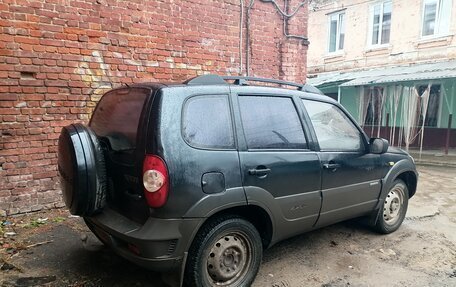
column 155, row 181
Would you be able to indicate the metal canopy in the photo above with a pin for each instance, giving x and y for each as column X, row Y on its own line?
column 414, row 72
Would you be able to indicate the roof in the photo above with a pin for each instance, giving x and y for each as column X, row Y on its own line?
column 413, row 72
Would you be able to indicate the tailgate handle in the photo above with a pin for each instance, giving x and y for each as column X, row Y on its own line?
column 132, row 195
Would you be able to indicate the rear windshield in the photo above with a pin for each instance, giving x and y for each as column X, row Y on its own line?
column 116, row 116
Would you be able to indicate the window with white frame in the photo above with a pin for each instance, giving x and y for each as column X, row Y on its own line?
column 336, row 32
column 436, row 17
column 380, row 23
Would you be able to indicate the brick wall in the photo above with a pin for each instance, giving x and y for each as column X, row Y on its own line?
column 57, row 57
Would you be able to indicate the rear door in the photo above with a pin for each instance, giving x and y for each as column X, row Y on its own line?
column 278, row 168
column 117, row 121
column 198, row 144
column 350, row 175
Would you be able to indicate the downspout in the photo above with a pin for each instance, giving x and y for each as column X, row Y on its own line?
column 247, row 56
column 241, row 23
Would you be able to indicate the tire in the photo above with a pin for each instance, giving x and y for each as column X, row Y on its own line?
column 227, row 251
column 82, row 170
column 394, row 208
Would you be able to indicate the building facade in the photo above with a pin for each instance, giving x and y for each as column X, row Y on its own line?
column 391, row 63
column 58, row 57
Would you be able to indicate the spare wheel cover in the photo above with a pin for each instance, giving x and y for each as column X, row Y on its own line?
column 78, row 170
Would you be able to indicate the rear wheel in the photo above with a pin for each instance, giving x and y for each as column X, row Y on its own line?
column 393, row 209
column 226, row 252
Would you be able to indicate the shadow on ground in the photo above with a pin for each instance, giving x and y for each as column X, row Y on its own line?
column 75, row 262
column 72, row 256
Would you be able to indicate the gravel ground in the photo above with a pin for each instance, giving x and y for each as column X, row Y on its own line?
column 54, row 249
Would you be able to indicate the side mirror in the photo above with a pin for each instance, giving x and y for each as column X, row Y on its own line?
column 378, row 145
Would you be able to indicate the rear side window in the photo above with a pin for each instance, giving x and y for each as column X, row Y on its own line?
column 206, row 122
column 116, row 116
column 271, row 123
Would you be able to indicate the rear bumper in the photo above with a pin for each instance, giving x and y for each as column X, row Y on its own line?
column 158, row 244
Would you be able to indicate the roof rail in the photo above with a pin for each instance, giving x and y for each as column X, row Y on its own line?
column 240, row 80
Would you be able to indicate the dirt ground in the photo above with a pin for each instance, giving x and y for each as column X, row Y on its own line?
column 54, row 249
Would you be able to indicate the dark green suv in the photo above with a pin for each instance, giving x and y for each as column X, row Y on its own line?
column 201, row 177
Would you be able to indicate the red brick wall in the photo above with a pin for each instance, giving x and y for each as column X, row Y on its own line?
column 58, row 56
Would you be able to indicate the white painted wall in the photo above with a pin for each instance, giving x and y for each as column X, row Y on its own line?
column 406, row 44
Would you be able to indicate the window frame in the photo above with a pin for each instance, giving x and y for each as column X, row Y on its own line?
column 337, row 50
column 363, row 136
column 380, row 28
column 227, row 96
column 438, row 18
column 309, row 141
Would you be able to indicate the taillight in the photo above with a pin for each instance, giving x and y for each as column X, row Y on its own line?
column 155, row 181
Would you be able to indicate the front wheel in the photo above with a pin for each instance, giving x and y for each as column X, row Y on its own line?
column 226, row 251
column 394, row 208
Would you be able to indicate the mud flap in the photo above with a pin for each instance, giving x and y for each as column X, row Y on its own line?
column 372, row 219
column 176, row 278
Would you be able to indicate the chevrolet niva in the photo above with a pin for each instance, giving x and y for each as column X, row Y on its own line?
column 201, row 177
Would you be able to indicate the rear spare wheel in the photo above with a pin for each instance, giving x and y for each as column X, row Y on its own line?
column 82, row 170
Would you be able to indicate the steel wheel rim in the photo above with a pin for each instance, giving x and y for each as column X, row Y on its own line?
column 393, row 205
column 229, row 259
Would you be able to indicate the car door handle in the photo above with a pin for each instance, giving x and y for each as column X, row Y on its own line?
column 331, row 165
column 259, row 171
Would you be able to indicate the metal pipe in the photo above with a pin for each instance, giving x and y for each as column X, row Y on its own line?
column 305, row 39
column 247, row 57
column 284, row 11
column 241, row 23
column 338, row 94
column 448, row 133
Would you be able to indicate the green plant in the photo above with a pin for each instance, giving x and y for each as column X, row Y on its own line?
column 36, row 223
column 58, row 219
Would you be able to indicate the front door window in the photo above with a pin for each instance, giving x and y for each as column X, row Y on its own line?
column 335, row 132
